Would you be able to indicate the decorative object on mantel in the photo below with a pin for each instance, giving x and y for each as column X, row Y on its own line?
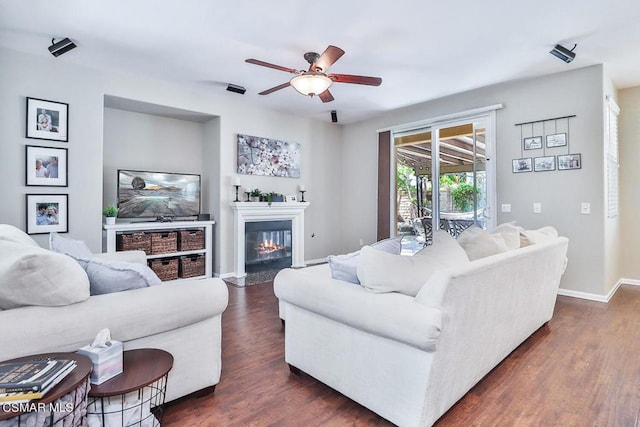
column 47, row 120
column 553, row 140
column 255, row 195
column 302, row 190
column 270, row 157
column 110, row 213
column 237, row 185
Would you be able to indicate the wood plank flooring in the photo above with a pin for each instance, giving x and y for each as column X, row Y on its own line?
column 583, row 369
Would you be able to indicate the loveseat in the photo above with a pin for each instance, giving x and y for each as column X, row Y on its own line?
column 410, row 358
column 46, row 306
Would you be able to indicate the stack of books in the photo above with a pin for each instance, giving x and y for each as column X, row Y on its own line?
column 28, row 380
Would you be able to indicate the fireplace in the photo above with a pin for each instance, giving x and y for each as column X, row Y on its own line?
column 268, row 245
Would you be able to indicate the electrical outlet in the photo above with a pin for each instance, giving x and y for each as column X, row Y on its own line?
column 537, row 208
column 585, row 208
column 361, row 242
column 506, row 207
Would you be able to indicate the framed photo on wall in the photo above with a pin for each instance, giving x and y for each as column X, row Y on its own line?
column 543, row 164
column 556, row 140
column 522, row 165
column 569, row 161
column 532, row 143
column 47, row 213
column 47, row 120
column 46, row 166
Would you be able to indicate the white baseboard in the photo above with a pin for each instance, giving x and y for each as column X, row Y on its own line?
column 598, row 297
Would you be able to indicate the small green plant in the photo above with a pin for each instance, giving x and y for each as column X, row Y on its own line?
column 110, row 211
column 255, row 193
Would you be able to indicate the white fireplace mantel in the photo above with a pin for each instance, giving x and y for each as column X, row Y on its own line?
column 244, row 212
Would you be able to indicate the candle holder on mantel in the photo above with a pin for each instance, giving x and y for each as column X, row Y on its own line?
column 237, row 188
column 302, row 195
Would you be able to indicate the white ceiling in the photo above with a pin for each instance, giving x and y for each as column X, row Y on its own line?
column 422, row 49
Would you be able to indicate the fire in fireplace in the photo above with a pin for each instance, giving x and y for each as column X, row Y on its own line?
column 267, row 245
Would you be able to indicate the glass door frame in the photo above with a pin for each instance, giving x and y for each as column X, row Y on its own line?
column 486, row 115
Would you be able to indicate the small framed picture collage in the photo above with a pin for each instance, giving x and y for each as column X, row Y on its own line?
column 546, row 161
column 47, row 166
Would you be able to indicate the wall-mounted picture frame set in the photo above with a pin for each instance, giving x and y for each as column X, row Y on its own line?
column 547, row 163
column 47, row 120
column 47, row 213
column 47, row 166
column 552, row 141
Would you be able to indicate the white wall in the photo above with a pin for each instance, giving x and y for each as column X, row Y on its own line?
column 578, row 92
column 629, row 134
column 84, row 89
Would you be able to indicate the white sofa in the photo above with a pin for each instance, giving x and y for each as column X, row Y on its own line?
column 182, row 317
column 409, row 359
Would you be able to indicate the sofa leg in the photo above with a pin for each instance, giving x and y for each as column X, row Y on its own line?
column 294, row 370
column 204, row 392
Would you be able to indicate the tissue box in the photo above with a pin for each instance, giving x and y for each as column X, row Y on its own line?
column 107, row 361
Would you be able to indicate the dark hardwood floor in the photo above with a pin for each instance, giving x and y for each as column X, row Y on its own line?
column 582, row 369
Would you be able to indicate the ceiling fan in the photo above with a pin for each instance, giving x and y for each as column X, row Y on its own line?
column 316, row 81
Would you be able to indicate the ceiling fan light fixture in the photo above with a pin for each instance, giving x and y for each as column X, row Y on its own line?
column 310, row 84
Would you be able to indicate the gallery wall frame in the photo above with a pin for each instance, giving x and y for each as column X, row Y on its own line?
column 544, row 164
column 569, row 161
column 46, row 166
column 556, row 140
column 532, row 143
column 46, row 213
column 522, row 165
column 47, row 120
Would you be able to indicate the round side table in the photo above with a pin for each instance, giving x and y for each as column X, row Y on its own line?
column 64, row 405
column 136, row 396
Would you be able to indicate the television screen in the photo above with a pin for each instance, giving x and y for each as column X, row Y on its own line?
column 153, row 194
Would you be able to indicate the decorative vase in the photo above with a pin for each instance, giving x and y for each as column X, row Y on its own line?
column 255, row 198
column 110, row 220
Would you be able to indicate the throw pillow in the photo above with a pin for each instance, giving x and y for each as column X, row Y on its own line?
column 510, row 233
column 531, row 237
column 344, row 267
column 107, row 276
column 13, row 234
column 383, row 272
column 74, row 248
column 478, row 243
column 31, row 275
column 445, row 249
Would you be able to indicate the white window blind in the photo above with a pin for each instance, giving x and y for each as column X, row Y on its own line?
column 611, row 156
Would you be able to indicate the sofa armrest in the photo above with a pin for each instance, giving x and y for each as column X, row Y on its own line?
column 138, row 257
column 390, row 315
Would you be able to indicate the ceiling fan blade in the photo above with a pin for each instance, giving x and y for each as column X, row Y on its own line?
column 360, row 80
column 326, row 96
column 266, row 64
column 328, row 57
column 273, row 89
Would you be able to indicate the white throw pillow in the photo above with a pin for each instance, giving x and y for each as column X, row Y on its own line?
column 445, row 249
column 383, row 272
column 344, row 267
column 12, row 234
column 478, row 243
column 107, row 276
column 31, row 275
column 531, row 237
column 510, row 233
column 74, row 248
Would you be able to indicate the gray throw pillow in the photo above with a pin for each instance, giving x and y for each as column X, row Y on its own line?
column 345, row 267
column 106, row 276
column 74, row 248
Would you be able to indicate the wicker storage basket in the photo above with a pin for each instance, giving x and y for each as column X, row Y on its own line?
column 191, row 266
column 166, row 269
column 164, row 242
column 190, row 240
column 134, row 242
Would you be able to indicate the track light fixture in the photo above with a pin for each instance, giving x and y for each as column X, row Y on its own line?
column 563, row 53
column 63, row 46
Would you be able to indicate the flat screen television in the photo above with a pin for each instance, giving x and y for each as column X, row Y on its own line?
column 146, row 194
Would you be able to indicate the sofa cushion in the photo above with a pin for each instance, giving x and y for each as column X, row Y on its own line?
column 12, row 234
column 64, row 245
column 383, row 272
column 531, row 237
column 344, row 267
column 31, row 275
column 445, row 249
column 478, row 243
column 106, row 276
column 510, row 233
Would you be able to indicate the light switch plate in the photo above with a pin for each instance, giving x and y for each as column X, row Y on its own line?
column 537, row 208
column 506, row 207
column 585, row 208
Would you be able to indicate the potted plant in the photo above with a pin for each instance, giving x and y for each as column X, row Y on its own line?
column 255, row 195
column 110, row 212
